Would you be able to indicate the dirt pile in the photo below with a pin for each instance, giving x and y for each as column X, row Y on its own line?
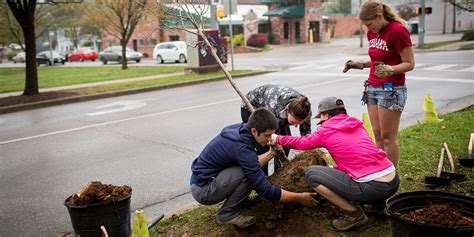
column 291, row 176
column 96, row 191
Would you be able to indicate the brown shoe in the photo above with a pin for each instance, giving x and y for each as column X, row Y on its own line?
column 239, row 221
column 350, row 220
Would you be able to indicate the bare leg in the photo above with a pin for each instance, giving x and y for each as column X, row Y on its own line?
column 390, row 121
column 376, row 124
column 335, row 198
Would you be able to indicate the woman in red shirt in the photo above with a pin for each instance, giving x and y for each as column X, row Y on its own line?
column 391, row 56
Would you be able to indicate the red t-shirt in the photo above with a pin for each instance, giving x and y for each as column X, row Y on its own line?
column 385, row 47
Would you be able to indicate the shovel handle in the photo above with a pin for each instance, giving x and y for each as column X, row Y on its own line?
column 450, row 157
column 440, row 163
column 469, row 149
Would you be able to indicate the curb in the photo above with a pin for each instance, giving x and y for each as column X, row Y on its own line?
column 47, row 103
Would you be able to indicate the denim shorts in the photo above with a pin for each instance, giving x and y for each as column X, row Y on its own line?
column 393, row 100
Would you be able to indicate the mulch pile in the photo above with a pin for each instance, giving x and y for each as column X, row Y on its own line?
column 439, row 214
column 95, row 191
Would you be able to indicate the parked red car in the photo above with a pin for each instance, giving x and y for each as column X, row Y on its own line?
column 82, row 54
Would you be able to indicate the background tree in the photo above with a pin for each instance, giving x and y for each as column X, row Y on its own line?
column 338, row 7
column 120, row 18
column 406, row 11
column 24, row 13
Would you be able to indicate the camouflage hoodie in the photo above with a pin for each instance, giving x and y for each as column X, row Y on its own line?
column 275, row 98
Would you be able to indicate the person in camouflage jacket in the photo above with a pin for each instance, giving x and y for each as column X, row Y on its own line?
column 287, row 104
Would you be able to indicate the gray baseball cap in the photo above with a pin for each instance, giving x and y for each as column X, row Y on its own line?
column 329, row 103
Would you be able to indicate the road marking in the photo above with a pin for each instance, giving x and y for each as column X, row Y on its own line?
column 124, row 106
column 354, row 75
column 440, row 67
column 469, row 69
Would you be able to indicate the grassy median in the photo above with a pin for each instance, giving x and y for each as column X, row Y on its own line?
column 13, row 79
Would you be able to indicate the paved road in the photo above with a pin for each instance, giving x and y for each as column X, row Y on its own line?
column 149, row 140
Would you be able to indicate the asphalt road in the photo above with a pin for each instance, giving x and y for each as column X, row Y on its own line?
column 149, row 140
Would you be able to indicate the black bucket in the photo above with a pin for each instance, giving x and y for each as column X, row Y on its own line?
column 113, row 215
column 410, row 201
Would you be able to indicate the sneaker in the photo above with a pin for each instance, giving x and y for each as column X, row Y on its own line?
column 350, row 220
column 239, row 221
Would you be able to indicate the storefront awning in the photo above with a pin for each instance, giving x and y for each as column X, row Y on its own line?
column 294, row 10
column 270, row 1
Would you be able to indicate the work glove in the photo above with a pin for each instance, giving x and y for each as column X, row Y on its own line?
column 383, row 70
column 272, row 141
column 353, row 64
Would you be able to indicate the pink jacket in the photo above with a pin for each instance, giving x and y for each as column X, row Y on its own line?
column 348, row 143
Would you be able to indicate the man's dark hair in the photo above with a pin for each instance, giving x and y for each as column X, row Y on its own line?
column 300, row 107
column 262, row 119
column 334, row 112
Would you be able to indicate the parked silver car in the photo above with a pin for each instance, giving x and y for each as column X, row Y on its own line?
column 19, row 57
column 114, row 53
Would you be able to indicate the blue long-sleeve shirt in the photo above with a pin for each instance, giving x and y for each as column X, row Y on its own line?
column 234, row 146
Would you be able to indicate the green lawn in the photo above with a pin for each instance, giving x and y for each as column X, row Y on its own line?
column 13, row 79
column 157, row 82
column 420, row 147
column 438, row 44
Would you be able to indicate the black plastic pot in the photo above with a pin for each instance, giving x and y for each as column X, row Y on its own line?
column 406, row 202
column 113, row 215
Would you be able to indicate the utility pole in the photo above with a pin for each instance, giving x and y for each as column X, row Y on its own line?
column 421, row 27
column 454, row 16
column 444, row 16
column 360, row 27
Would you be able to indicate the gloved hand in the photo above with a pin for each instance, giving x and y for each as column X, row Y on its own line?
column 383, row 70
column 353, row 64
column 272, row 141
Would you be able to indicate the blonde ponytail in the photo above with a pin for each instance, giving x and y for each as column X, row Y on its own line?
column 369, row 10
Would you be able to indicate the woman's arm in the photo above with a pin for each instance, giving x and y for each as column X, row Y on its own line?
column 408, row 61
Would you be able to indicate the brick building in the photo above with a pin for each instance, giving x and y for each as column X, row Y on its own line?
column 292, row 20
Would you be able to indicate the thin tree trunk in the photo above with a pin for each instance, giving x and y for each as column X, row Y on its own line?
column 124, row 55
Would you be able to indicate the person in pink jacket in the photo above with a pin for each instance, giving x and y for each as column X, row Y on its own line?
column 362, row 175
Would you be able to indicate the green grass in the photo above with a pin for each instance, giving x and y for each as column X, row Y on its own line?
column 467, row 47
column 157, row 82
column 420, row 147
column 13, row 79
column 438, row 44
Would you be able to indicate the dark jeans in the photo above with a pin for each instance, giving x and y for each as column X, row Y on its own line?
column 229, row 185
column 282, row 130
column 343, row 184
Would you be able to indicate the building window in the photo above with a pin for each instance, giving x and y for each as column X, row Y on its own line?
column 174, row 37
column 285, row 30
column 153, row 41
column 141, row 41
column 297, row 30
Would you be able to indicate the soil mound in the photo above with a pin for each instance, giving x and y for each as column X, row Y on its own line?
column 439, row 214
column 96, row 191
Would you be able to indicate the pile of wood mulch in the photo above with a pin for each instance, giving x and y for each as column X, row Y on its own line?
column 96, row 191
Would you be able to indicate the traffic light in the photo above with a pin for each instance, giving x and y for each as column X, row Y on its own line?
column 428, row 11
column 220, row 12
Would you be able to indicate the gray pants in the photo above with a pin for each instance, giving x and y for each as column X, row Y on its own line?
column 373, row 192
column 229, row 185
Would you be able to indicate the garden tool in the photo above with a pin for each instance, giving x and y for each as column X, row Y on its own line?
column 469, row 162
column 438, row 180
column 452, row 174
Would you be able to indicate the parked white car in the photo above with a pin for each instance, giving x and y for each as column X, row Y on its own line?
column 171, row 51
